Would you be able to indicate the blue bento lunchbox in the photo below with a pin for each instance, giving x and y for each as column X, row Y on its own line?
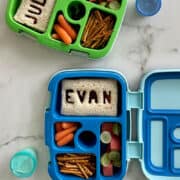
column 158, row 108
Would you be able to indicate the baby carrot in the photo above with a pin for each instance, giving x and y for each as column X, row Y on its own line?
column 67, row 27
column 65, row 140
column 67, row 125
column 66, row 38
column 55, row 36
column 58, row 126
column 64, row 133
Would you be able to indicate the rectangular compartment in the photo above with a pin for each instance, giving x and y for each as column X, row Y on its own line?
column 65, row 132
column 76, row 165
column 111, row 150
column 76, row 13
column 101, row 93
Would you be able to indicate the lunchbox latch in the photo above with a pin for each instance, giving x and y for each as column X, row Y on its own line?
column 134, row 100
column 134, row 150
column 48, row 101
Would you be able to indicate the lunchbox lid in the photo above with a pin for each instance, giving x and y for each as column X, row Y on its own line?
column 158, row 105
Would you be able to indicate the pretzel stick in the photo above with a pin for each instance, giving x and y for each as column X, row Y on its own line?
column 83, row 171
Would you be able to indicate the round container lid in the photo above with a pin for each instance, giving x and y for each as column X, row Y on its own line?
column 148, row 7
column 24, row 163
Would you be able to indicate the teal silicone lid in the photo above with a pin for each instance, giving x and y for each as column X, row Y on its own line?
column 24, row 163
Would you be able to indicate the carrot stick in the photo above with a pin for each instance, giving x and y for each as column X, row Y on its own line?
column 66, row 38
column 67, row 125
column 67, row 27
column 64, row 133
column 58, row 126
column 65, row 140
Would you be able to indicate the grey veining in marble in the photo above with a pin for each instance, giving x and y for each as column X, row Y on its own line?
column 144, row 44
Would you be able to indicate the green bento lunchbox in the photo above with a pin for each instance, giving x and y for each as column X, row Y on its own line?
column 96, row 23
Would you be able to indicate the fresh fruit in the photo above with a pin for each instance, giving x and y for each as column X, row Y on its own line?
column 108, row 170
column 107, row 127
column 115, row 143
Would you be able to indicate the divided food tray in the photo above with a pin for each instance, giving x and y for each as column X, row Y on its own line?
column 66, row 8
column 158, row 106
column 88, row 123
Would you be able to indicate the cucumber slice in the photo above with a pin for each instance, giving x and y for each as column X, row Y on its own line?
column 116, row 129
column 117, row 163
column 105, row 161
column 115, row 5
column 103, row 4
column 114, row 156
column 106, row 137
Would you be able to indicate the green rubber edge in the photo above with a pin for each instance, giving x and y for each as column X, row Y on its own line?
column 61, row 5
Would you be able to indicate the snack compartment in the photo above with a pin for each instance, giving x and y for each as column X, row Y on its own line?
column 58, row 165
column 77, row 165
column 65, row 133
column 112, row 150
column 98, row 29
column 67, row 26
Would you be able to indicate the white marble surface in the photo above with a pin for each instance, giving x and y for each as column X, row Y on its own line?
column 144, row 44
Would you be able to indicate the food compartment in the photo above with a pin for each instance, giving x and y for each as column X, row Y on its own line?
column 89, row 97
column 76, row 10
column 87, row 139
column 64, row 31
column 32, row 14
column 98, row 29
column 111, row 149
column 65, row 133
column 111, row 4
column 76, row 165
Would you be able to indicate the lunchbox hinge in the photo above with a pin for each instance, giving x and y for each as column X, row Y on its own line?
column 134, row 100
column 134, row 150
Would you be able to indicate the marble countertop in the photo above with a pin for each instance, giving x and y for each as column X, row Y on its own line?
column 144, row 44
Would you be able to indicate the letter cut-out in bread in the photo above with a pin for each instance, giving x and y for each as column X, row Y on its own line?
column 89, row 97
column 35, row 13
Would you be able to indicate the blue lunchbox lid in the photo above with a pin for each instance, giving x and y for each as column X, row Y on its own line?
column 158, row 124
column 157, row 103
